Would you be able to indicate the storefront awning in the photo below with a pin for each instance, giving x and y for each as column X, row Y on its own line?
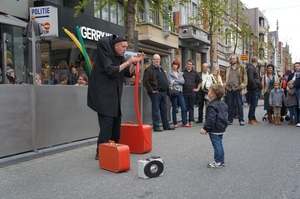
column 8, row 19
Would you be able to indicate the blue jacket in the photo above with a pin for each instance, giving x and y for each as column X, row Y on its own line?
column 216, row 117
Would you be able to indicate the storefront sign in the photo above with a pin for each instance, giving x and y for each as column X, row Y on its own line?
column 46, row 16
column 92, row 34
column 244, row 57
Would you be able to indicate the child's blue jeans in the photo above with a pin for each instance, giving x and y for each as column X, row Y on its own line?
column 216, row 141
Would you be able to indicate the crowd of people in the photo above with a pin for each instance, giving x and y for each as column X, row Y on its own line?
column 278, row 92
column 66, row 75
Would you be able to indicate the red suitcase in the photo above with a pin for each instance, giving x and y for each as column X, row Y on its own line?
column 131, row 136
column 114, row 157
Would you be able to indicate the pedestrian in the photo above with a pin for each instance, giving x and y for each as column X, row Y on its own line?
column 276, row 99
column 267, row 85
column 235, row 85
column 202, row 92
column 216, row 123
column 191, row 86
column 296, row 79
column 106, row 85
column 254, row 87
column 176, row 81
column 213, row 78
column 156, row 83
column 292, row 103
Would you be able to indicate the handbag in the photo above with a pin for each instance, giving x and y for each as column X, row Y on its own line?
column 205, row 90
column 173, row 92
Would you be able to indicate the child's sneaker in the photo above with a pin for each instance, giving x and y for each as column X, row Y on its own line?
column 215, row 165
column 298, row 125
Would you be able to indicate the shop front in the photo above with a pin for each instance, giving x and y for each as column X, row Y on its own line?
column 13, row 49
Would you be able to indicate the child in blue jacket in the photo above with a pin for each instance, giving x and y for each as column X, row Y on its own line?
column 216, row 123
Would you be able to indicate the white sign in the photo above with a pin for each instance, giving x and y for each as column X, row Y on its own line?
column 46, row 16
column 92, row 34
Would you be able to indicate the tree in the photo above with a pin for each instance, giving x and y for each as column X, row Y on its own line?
column 240, row 29
column 212, row 14
column 130, row 12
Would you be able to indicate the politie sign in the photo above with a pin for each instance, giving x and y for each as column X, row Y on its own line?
column 46, row 16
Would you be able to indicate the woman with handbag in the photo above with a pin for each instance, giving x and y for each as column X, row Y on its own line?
column 176, row 81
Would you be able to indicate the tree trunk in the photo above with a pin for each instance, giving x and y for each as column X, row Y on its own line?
column 130, row 23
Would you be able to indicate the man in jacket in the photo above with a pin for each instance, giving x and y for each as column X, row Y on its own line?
column 106, row 85
column 156, row 83
column 254, row 87
column 236, row 80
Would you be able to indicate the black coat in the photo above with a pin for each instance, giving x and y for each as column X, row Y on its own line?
column 106, row 82
column 253, row 79
column 216, row 117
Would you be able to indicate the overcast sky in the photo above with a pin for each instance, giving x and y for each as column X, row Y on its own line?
column 287, row 12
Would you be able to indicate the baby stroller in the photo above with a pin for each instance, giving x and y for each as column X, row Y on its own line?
column 284, row 115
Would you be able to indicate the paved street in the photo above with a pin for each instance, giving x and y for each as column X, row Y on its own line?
column 262, row 161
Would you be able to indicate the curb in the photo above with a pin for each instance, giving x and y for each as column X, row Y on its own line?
column 15, row 159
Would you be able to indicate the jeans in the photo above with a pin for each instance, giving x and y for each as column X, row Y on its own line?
column 201, row 104
column 294, row 113
column 253, row 100
column 216, row 141
column 230, row 97
column 298, row 96
column 189, row 104
column 159, row 104
column 179, row 100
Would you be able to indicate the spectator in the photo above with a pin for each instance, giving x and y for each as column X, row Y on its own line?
column 202, row 92
column 156, row 83
column 176, row 81
column 73, row 76
column 213, row 78
column 292, row 103
column 276, row 99
column 267, row 85
column 82, row 80
column 254, row 88
column 63, row 79
column 63, row 65
column 38, row 80
column 235, row 84
column 296, row 85
column 192, row 84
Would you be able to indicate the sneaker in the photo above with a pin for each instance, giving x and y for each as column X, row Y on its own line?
column 175, row 126
column 191, row 123
column 215, row 165
column 298, row 125
column 242, row 123
column 186, row 125
column 229, row 123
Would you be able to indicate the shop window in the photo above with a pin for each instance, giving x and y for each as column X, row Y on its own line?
column 112, row 13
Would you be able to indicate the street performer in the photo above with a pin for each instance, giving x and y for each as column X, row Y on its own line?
column 106, row 85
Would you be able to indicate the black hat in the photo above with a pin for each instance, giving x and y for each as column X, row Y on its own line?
column 118, row 39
